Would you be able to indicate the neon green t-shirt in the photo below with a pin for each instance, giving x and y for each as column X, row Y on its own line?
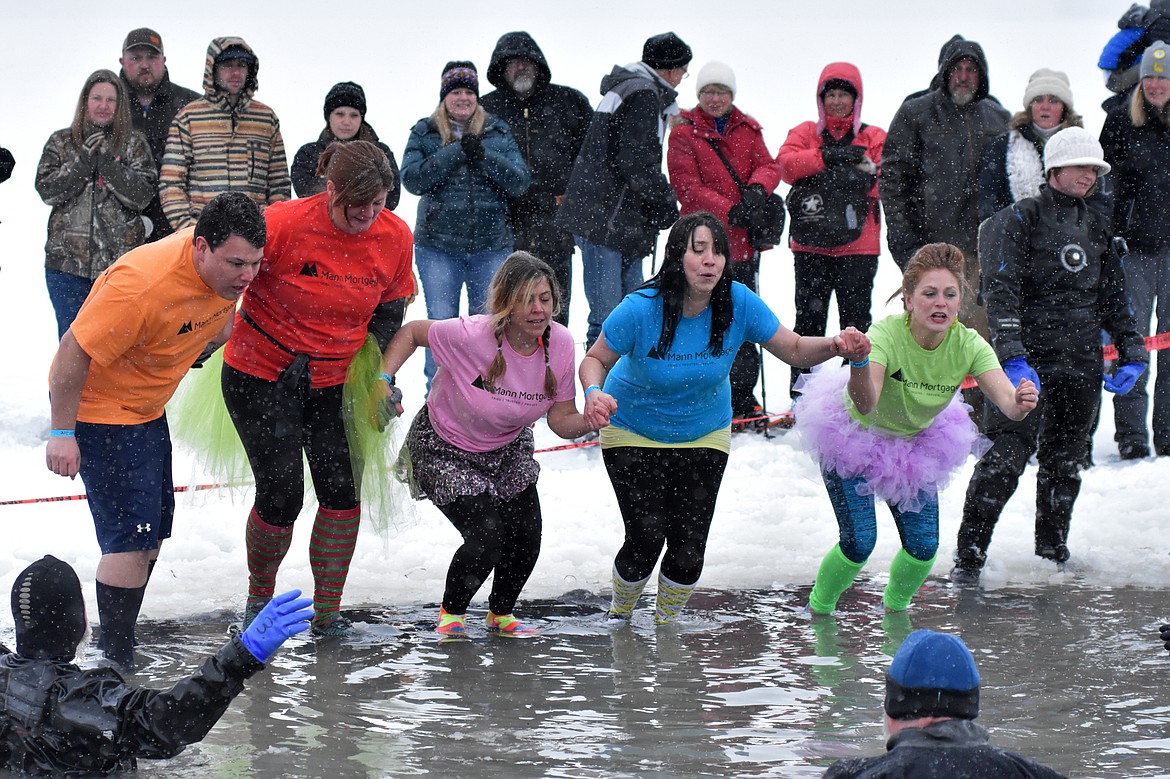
column 920, row 383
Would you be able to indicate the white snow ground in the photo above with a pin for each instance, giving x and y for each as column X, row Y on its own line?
column 773, row 520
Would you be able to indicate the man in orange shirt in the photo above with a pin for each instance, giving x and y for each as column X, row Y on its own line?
column 146, row 321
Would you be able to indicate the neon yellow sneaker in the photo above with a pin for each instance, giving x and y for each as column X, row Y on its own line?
column 451, row 624
column 506, row 624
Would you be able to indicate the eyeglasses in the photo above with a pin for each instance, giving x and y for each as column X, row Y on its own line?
column 686, row 72
column 715, row 92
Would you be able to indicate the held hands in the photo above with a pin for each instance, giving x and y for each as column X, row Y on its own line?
column 851, row 343
column 386, row 401
column 1018, row 369
column 282, row 618
column 1124, row 377
column 62, row 456
column 599, row 407
column 472, row 148
column 1027, row 396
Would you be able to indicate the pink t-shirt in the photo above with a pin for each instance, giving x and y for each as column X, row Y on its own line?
column 466, row 415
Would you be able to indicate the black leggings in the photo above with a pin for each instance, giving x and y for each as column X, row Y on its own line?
column 275, row 429
column 666, row 496
column 497, row 535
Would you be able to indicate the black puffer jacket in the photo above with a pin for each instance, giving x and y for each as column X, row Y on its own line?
column 1052, row 282
column 60, row 720
column 952, row 749
column 1140, row 157
column 930, row 164
column 305, row 180
column 549, row 125
column 618, row 197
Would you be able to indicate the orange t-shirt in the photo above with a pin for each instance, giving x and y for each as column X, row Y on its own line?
column 147, row 318
column 317, row 290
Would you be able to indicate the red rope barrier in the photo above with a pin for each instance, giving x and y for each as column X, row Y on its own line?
column 1153, row 343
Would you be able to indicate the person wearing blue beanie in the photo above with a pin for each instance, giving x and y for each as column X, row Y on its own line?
column 932, row 700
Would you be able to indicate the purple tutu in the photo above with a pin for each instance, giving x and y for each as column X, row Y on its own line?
column 896, row 469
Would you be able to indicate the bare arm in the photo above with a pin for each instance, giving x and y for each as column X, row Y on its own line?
column 865, row 386
column 409, row 337
column 804, row 351
column 70, row 370
column 595, row 366
column 566, row 421
column 1014, row 402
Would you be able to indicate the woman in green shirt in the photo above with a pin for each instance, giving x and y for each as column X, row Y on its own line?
column 892, row 426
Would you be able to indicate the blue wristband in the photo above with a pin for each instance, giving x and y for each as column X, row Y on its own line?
column 386, row 377
column 861, row 364
column 62, row 433
column 590, row 388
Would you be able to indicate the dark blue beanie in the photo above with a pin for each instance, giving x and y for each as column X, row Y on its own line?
column 932, row 675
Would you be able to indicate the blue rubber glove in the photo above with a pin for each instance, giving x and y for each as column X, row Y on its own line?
column 283, row 617
column 1018, row 369
column 1124, row 377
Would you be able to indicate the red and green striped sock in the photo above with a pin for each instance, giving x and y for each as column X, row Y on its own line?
column 330, row 551
column 267, row 545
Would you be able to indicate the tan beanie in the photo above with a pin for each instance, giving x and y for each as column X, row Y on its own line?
column 1048, row 82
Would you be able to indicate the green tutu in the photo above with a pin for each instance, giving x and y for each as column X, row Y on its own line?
column 199, row 421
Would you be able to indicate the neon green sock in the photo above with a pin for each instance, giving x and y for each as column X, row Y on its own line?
column 907, row 573
column 835, row 575
column 625, row 595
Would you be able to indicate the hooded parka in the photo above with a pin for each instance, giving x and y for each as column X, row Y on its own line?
column 216, row 145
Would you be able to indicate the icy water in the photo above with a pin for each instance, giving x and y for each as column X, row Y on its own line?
column 746, row 686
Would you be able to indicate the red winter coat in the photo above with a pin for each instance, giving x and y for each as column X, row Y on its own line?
column 800, row 156
column 700, row 179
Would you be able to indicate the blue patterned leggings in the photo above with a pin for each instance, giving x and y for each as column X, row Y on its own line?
column 857, row 521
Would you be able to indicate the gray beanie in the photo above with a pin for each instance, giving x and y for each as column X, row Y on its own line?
column 1154, row 61
column 1048, row 82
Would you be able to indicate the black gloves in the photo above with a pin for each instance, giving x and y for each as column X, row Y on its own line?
column 743, row 214
column 472, row 147
column 1165, row 635
column 842, row 155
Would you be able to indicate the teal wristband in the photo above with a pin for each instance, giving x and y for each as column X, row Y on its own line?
column 590, row 388
column 386, row 377
column 861, row 364
column 62, row 433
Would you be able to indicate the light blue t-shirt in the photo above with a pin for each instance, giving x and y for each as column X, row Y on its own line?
column 686, row 393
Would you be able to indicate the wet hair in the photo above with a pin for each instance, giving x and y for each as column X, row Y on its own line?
column 120, row 128
column 933, row 256
column 513, row 285
column 228, row 214
column 359, row 171
column 671, row 279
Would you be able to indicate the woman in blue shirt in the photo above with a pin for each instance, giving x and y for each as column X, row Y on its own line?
column 657, row 385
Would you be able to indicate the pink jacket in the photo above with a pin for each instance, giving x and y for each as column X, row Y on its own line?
column 700, row 179
column 800, row 156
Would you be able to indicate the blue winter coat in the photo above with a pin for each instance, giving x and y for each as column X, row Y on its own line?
column 463, row 208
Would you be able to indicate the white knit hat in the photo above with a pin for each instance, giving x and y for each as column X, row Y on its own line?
column 716, row 72
column 1048, row 82
column 1074, row 146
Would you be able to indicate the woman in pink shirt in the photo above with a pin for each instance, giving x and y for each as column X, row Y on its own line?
column 471, row 447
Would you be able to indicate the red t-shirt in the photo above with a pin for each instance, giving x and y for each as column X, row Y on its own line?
column 317, row 290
